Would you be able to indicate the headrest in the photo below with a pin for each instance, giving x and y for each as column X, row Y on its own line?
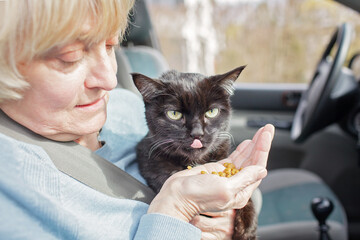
column 140, row 30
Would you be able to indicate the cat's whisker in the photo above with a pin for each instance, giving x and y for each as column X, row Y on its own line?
column 179, row 146
column 223, row 136
column 164, row 94
column 227, row 135
column 148, row 137
column 158, row 144
column 213, row 148
column 167, row 149
column 186, row 157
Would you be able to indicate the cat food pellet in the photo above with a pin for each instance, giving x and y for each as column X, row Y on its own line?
column 229, row 165
column 229, row 171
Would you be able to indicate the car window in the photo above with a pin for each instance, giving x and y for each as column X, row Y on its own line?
column 280, row 41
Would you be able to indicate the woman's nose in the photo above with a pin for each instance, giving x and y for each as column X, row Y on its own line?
column 102, row 70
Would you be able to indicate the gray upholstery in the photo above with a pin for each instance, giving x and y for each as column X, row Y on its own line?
column 139, row 59
column 146, row 60
column 299, row 231
column 140, row 30
column 123, row 72
column 286, row 212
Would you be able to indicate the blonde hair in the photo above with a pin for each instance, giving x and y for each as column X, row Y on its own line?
column 30, row 28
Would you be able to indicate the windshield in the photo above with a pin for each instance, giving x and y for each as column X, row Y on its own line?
column 280, row 41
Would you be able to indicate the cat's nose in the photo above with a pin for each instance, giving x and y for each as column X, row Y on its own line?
column 197, row 131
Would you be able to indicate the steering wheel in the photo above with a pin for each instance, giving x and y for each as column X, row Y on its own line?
column 317, row 103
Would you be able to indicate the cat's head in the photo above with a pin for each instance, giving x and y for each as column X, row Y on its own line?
column 188, row 113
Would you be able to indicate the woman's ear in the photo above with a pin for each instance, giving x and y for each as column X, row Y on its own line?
column 148, row 87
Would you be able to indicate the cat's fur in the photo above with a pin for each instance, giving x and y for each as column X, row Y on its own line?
column 166, row 148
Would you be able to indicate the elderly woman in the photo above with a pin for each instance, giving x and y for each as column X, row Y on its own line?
column 56, row 72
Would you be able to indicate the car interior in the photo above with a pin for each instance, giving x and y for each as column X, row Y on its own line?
column 312, row 189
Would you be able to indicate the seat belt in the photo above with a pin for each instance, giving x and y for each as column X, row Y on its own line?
column 82, row 164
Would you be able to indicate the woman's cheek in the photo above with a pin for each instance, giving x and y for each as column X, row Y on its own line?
column 65, row 91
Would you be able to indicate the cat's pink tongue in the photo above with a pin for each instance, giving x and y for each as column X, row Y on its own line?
column 196, row 144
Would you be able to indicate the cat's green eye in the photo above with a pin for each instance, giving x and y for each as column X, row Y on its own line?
column 174, row 115
column 212, row 113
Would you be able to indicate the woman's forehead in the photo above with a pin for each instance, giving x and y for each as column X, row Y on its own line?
column 90, row 24
column 85, row 35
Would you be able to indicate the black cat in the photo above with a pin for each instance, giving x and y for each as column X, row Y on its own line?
column 188, row 119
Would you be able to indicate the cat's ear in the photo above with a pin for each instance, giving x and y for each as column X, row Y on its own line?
column 148, row 87
column 227, row 80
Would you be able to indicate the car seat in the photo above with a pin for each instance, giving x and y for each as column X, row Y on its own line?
column 123, row 76
column 146, row 60
column 286, row 212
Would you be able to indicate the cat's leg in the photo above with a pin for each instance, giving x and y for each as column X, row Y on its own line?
column 245, row 224
column 157, row 172
column 157, row 182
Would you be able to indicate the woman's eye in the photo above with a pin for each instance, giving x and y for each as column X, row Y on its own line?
column 212, row 113
column 111, row 44
column 174, row 115
column 71, row 57
column 110, row 48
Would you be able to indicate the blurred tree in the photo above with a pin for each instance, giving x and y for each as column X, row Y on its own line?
column 280, row 40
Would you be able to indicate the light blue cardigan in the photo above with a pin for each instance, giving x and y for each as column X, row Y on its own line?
column 39, row 202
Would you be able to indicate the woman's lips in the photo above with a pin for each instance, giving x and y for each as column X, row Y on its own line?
column 89, row 104
column 97, row 103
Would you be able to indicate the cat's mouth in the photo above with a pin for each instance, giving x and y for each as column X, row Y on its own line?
column 197, row 144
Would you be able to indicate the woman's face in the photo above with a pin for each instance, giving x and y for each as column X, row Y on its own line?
column 69, row 91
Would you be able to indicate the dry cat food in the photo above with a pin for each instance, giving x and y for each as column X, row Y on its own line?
column 229, row 170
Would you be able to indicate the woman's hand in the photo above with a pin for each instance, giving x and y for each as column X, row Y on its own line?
column 218, row 225
column 188, row 193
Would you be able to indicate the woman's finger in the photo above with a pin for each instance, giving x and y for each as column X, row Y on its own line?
column 239, row 149
column 244, row 183
column 247, row 176
column 257, row 151
column 261, row 149
column 219, row 214
column 213, row 236
column 244, row 145
column 221, row 226
column 242, row 197
column 239, row 153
